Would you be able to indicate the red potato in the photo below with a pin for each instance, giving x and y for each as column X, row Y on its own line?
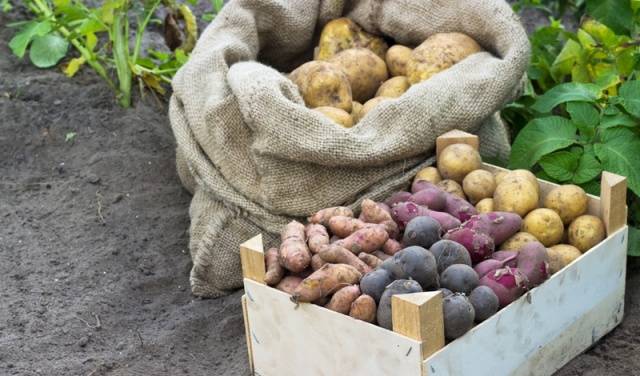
column 289, row 283
column 397, row 197
column 335, row 254
column 323, row 216
column 504, row 255
column 373, row 212
column 479, row 244
column 533, row 262
column 325, row 281
column 384, row 207
column 363, row 308
column 294, row 253
column 391, row 247
column 275, row 271
column 341, row 301
column 430, row 196
column 317, row 237
column 383, row 256
column 499, row 225
column 404, row 212
column 368, row 239
column 343, row 226
column 317, row 262
column 370, row 260
column 507, row 283
column 459, row 208
column 491, row 265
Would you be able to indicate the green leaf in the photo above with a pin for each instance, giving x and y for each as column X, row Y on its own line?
column 591, row 187
column 583, row 113
column 568, row 92
column 21, row 40
column 566, row 59
column 620, row 154
column 540, row 137
column 560, row 165
column 620, row 119
column 70, row 137
column 630, row 94
column 601, row 33
column 46, row 51
column 588, row 167
column 617, row 14
column 544, row 176
column 626, row 61
column 634, row 242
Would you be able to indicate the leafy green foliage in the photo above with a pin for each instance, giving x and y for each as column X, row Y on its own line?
column 47, row 50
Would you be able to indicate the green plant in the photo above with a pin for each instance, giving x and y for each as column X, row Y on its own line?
column 554, row 8
column 101, row 37
column 580, row 113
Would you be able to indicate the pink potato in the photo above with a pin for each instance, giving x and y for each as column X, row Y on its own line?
column 397, row 197
column 317, row 262
column 391, row 247
column 369, row 259
column 504, row 255
column 533, row 262
column 499, row 225
column 507, row 283
column 459, row 208
column 294, row 253
column 368, row 239
column 341, row 301
column 382, row 255
column 323, row 216
column 289, row 283
column 335, row 254
column 364, row 308
column 404, row 212
column 343, row 226
column 431, row 196
column 373, row 212
column 479, row 244
column 317, row 237
column 491, row 265
column 274, row 271
column 325, row 281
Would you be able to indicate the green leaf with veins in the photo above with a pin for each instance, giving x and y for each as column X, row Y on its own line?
column 540, row 137
column 591, row 187
column 630, row 94
column 618, row 120
column 617, row 14
column 46, row 51
column 568, row 92
column 585, row 116
column 619, row 153
column 588, row 166
column 560, row 165
column 30, row 30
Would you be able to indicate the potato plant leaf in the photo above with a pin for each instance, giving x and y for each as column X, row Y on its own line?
column 73, row 66
column 588, row 167
column 46, row 51
column 617, row 14
column 630, row 94
column 620, row 153
column 21, row 40
column 568, row 92
column 618, row 120
column 540, row 137
column 560, row 165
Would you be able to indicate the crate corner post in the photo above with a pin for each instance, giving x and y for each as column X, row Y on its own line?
column 419, row 316
column 613, row 198
column 253, row 268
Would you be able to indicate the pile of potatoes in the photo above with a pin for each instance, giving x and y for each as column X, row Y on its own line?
column 477, row 236
column 353, row 71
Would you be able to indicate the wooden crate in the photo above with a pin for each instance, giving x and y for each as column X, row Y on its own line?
column 535, row 335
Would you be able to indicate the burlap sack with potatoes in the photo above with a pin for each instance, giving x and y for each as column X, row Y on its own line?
column 255, row 157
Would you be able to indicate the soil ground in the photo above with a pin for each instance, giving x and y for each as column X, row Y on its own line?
column 93, row 246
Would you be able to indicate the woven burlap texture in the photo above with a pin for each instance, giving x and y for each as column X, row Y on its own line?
column 255, row 157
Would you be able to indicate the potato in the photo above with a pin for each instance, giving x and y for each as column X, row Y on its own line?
column 289, row 283
column 317, row 237
column 335, row 254
column 393, row 87
column 294, row 253
column 516, row 242
column 478, row 185
column 369, row 259
column 368, row 239
column 586, row 231
column 570, row 201
column 449, row 253
column 457, row 160
column 452, row 187
column 356, row 109
column 341, row 34
column 524, row 174
column 429, row 174
column 485, row 302
column 459, row 278
column 419, row 265
column 325, row 281
column 341, row 301
column 364, row 69
column 363, row 308
column 545, row 225
column 397, row 58
column 374, row 283
column 323, row 216
column 499, row 176
column 561, row 255
column 422, row 231
column 400, row 286
column 338, row 116
column 274, row 271
column 370, row 104
column 323, row 84
column 515, row 194
column 459, row 315
column 437, row 53
column 485, row 205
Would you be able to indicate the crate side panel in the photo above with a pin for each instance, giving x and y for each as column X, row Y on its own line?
column 312, row 340
column 590, row 288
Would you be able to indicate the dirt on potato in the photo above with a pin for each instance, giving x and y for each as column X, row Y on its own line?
column 96, row 229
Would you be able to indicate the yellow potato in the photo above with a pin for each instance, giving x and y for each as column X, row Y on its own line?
column 397, row 58
column 516, row 195
column 393, row 87
column 516, row 242
column 437, row 53
column 323, row 84
column 341, row 34
column 356, row 109
column 499, row 176
column 545, row 225
column 339, row 116
column 485, row 205
column 452, row 187
column 478, row 184
column 586, row 231
column 525, row 174
column 429, row 174
column 457, row 160
column 365, row 70
column 370, row 104
column 570, row 201
column 561, row 255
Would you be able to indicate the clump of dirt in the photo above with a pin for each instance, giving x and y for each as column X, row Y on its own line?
column 94, row 265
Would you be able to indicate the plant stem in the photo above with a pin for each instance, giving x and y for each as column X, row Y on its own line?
column 121, row 55
column 141, row 29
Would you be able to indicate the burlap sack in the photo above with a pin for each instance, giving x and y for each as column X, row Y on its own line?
column 255, row 157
